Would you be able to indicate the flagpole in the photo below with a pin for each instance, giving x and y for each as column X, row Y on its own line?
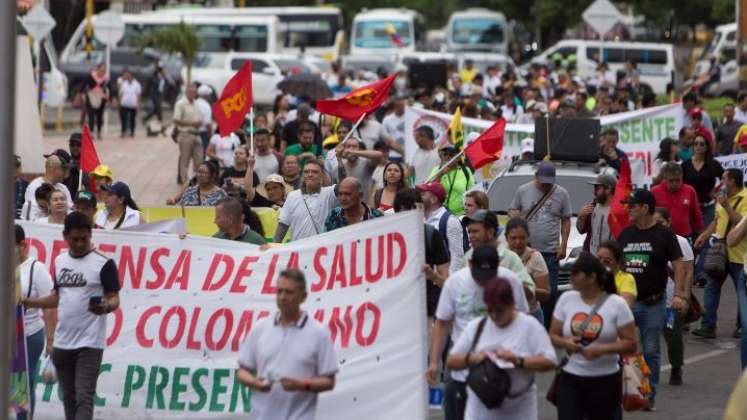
column 80, row 178
column 251, row 130
column 352, row 130
column 446, row 165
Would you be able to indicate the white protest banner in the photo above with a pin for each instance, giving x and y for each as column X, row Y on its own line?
column 186, row 306
column 176, row 226
column 738, row 161
column 640, row 134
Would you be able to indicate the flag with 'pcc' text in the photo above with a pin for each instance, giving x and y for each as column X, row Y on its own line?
column 363, row 100
column 235, row 101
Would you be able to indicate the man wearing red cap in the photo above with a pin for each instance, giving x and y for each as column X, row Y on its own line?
column 448, row 225
column 689, row 103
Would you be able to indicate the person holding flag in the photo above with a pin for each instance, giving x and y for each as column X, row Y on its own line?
column 455, row 176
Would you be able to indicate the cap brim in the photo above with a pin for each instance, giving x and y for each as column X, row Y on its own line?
column 483, row 274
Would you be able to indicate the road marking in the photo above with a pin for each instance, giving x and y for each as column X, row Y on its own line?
column 698, row 358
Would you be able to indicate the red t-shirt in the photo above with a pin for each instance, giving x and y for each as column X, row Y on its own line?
column 684, row 208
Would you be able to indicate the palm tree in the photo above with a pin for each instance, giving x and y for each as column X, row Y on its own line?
column 180, row 38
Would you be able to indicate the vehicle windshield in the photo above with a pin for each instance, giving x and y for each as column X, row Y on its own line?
column 251, row 38
column 369, row 65
column 309, row 30
column 501, row 191
column 477, row 31
column 213, row 38
column 382, row 34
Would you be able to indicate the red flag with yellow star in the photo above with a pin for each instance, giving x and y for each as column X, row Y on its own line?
column 235, row 101
column 363, row 100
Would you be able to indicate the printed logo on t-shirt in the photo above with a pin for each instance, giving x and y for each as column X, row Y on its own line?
column 69, row 278
column 637, row 257
column 592, row 330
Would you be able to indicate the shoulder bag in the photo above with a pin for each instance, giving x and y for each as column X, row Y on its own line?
column 716, row 259
column 538, row 205
column 488, row 381
column 552, row 392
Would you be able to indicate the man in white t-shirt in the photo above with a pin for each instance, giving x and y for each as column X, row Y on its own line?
column 371, row 131
column 86, row 288
column 288, row 359
column 55, row 170
column 426, row 157
column 129, row 101
column 462, row 301
column 306, row 209
column 266, row 160
column 206, row 112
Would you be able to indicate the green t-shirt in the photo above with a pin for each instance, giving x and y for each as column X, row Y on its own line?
column 249, row 236
column 296, row 149
column 456, row 182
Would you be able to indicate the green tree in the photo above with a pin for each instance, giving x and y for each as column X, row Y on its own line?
column 180, row 38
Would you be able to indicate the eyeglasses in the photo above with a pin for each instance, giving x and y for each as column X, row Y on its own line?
column 699, row 143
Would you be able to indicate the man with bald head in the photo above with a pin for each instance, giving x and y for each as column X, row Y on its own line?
column 352, row 209
column 229, row 217
column 55, row 171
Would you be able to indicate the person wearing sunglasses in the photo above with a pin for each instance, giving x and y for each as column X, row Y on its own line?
column 701, row 172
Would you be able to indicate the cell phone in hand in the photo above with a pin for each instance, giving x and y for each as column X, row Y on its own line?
column 94, row 301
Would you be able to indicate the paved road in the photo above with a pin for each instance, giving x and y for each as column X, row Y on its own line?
column 711, row 369
column 148, row 165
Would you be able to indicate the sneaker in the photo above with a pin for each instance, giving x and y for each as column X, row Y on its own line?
column 705, row 332
column 737, row 333
column 651, row 405
column 675, row 376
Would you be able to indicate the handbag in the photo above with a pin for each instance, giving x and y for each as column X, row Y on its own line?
column 716, row 259
column 552, row 392
column 636, row 386
column 175, row 134
column 491, row 383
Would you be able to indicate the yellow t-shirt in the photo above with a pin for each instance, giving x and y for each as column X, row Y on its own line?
column 736, row 253
column 625, row 283
column 742, row 131
column 467, row 75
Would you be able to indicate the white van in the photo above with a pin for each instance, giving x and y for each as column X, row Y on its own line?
column 655, row 61
column 478, row 30
column 386, row 31
column 722, row 45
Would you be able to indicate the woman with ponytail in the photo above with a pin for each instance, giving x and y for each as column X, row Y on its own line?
column 594, row 326
column 120, row 211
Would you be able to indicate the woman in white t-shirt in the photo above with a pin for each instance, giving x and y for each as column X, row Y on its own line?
column 57, row 209
column 588, row 386
column 222, row 148
column 38, row 325
column 514, row 341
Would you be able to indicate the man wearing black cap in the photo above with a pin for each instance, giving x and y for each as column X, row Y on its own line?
column 647, row 248
column 546, row 206
column 55, row 171
column 593, row 217
column 85, row 202
column 461, row 301
column 19, row 187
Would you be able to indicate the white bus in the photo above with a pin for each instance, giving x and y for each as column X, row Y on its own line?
column 219, row 34
column 478, row 30
column 317, row 30
column 386, row 31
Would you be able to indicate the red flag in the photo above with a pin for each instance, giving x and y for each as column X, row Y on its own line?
column 488, row 147
column 361, row 101
column 89, row 159
column 235, row 100
column 618, row 217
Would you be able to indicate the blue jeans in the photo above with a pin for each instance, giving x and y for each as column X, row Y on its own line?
column 742, row 301
column 553, row 267
column 709, row 212
column 651, row 321
column 712, row 296
column 35, row 346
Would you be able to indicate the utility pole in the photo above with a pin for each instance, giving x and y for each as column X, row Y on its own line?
column 741, row 13
column 538, row 25
column 7, row 123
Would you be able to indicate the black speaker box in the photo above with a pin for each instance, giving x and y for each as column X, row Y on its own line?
column 571, row 139
column 427, row 75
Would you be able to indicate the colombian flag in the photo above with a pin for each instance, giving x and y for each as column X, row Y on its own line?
column 392, row 32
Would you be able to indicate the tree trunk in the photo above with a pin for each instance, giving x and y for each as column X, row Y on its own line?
column 189, row 71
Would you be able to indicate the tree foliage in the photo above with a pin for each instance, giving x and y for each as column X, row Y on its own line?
column 181, row 39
